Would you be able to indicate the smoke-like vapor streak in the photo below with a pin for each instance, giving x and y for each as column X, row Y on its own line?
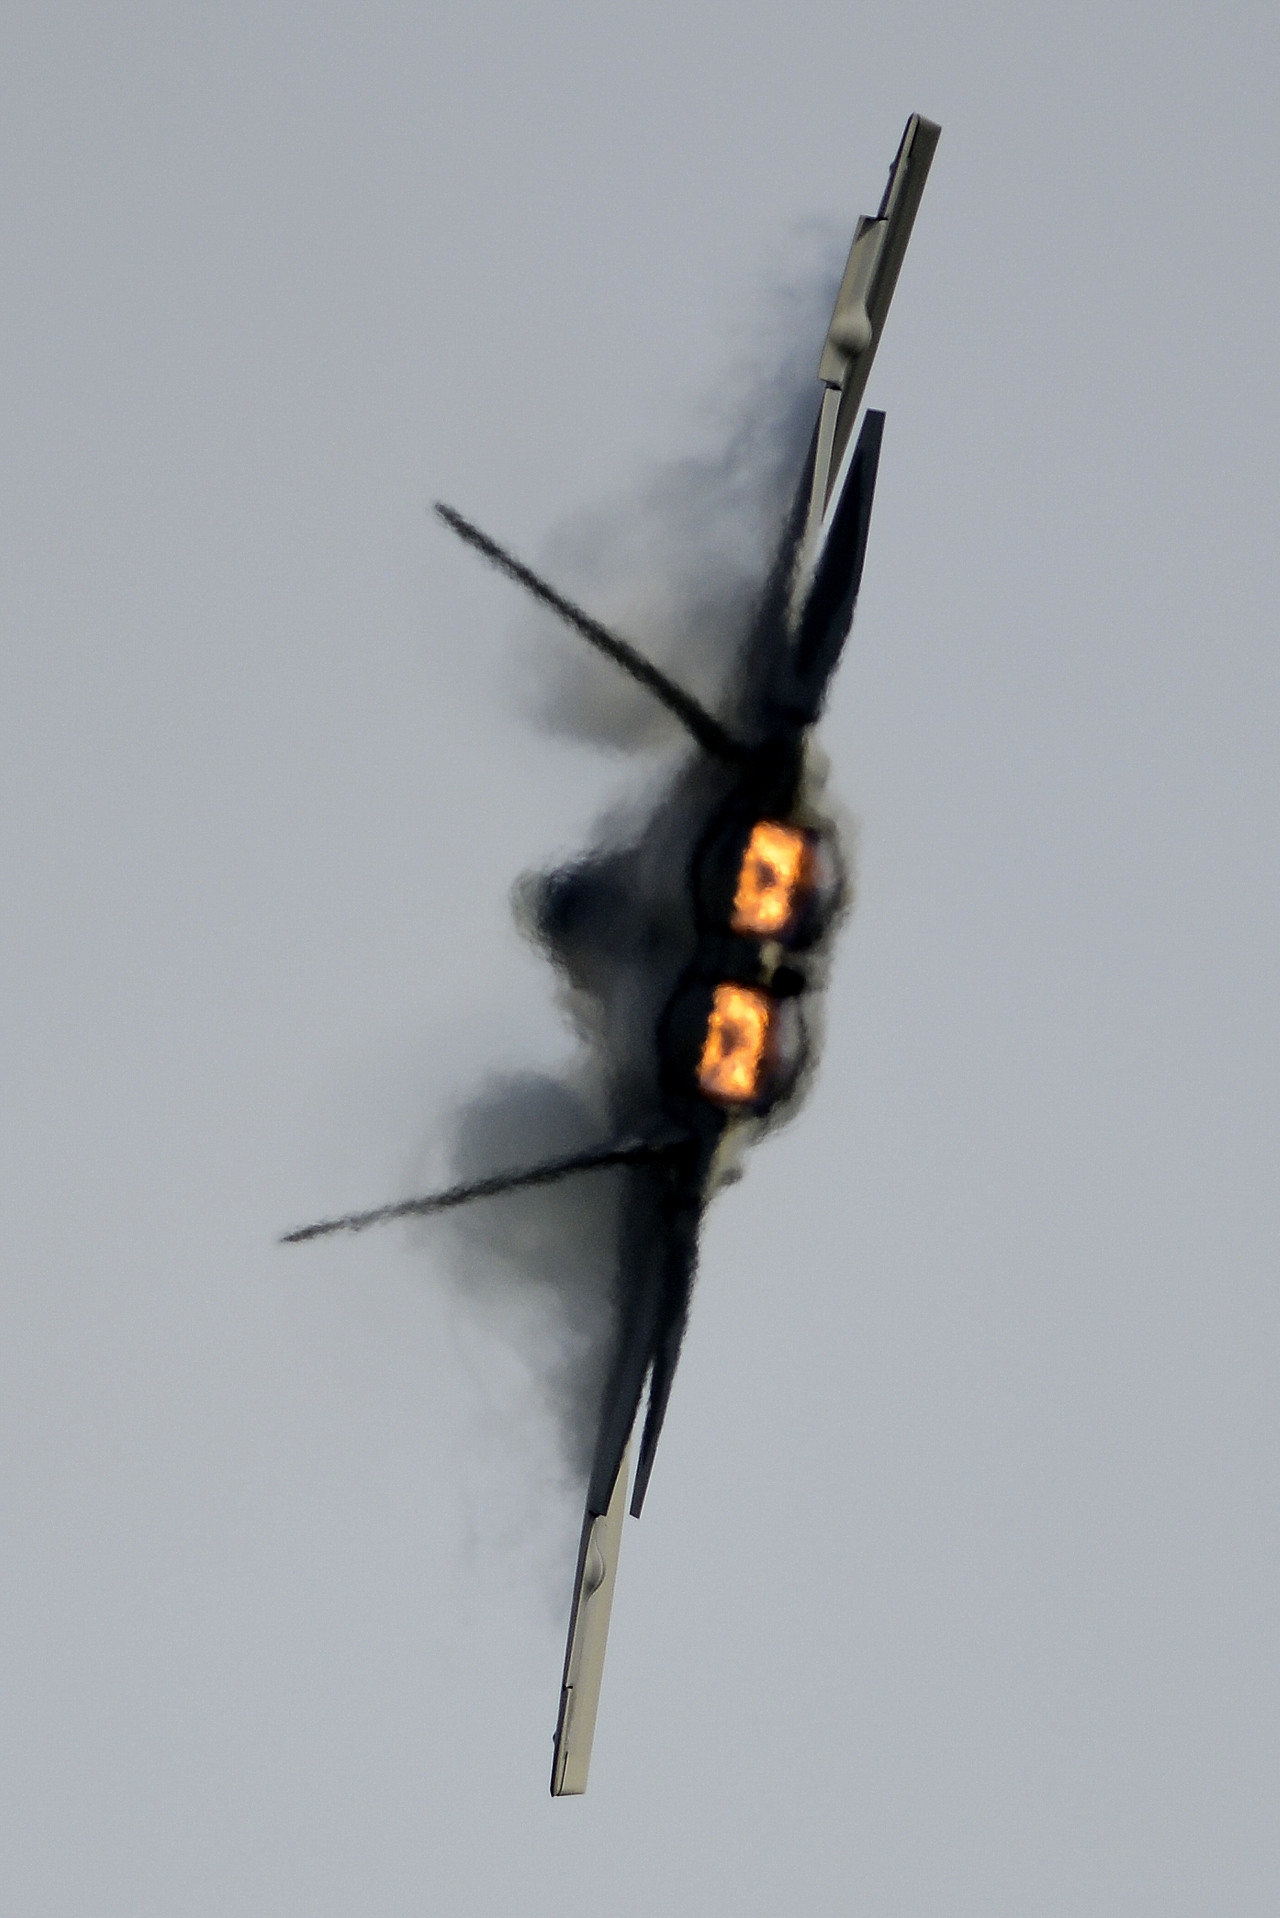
column 680, row 562
column 538, row 1266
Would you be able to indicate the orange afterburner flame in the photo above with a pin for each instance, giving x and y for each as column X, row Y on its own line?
column 733, row 1055
column 774, row 870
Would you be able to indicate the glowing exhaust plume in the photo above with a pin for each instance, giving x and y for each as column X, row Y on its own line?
column 733, row 1054
column 772, row 877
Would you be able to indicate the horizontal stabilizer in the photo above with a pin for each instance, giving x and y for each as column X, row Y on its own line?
column 696, row 720
column 620, row 1152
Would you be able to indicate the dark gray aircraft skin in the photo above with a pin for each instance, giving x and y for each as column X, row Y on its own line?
column 699, row 989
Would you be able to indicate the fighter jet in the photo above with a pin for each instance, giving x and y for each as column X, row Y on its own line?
column 699, row 951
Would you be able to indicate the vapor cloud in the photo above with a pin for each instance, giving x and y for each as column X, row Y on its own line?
column 678, row 561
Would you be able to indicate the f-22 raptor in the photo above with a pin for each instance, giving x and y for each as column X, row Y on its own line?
column 702, row 947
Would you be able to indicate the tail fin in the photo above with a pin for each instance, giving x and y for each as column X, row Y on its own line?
column 825, row 611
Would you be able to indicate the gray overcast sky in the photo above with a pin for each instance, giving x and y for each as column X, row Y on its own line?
column 956, row 1592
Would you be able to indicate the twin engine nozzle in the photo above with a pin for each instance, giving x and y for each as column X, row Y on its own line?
column 767, row 891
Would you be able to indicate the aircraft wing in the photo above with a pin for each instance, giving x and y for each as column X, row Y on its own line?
column 862, row 306
column 659, row 1253
column 588, row 1634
